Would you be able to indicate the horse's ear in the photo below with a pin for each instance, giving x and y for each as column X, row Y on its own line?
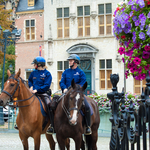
column 84, row 86
column 8, row 73
column 73, row 85
column 18, row 73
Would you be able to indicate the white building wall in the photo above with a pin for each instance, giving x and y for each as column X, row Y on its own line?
column 56, row 48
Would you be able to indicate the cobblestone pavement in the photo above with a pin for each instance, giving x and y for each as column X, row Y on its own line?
column 11, row 141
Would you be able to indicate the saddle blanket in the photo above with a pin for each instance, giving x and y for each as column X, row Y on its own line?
column 42, row 107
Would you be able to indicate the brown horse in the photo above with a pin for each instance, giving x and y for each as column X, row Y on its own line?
column 68, row 119
column 30, row 118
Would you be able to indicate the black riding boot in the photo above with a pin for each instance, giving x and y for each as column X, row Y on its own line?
column 16, row 127
column 50, row 129
column 87, row 118
column 88, row 122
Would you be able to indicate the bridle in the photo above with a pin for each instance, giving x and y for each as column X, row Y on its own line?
column 11, row 95
column 67, row 111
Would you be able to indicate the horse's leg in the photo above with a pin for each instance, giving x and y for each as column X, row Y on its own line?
column 67, row 143
column 24, row 140
column 78, row 141
column 94, row 139
column 61, row 142
column 37, row 140
column 82, row 144
column 51, row 141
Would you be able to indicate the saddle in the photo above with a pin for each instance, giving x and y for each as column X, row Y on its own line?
column 55, row 101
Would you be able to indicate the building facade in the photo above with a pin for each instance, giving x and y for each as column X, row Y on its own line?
column 83, row 27
column 29, row 18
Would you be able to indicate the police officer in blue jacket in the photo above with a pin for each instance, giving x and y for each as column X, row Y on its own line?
column 79, row 77
column 39, row 82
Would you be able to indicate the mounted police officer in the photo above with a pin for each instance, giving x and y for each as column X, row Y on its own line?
column 39, row 83
column 79, row 77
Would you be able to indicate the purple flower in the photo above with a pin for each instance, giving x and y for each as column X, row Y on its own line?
column 141, row 3
column 145, row 55
column 148, row 15
column 134, row 37
column 129, row 52
column 137, row 23
column 134, row 18
column 142, row 36
column 148, row 32
column 131, row 2
column 133, row 7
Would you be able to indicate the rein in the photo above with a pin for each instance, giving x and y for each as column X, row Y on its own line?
column 11, row 96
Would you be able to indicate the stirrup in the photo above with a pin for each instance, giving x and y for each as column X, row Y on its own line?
column 50, row 130
column 88, row 132
column 16, row 127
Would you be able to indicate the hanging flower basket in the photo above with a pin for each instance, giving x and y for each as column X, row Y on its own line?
column 131, row 26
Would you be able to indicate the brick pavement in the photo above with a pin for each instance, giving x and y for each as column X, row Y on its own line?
column 11, row 141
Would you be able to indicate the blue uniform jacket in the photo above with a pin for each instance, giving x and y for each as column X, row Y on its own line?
column 40, row 80
column 69, row 74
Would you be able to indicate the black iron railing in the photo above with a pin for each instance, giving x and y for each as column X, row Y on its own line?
column 129, row 126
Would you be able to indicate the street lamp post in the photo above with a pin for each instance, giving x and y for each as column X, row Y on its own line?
column 8, row 37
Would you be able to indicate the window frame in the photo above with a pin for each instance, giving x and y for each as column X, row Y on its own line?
column 84, row 17
column 106, row 78
column 30, row 30
column 63, row 28
column 105, row 25
column 31, row 4
column 141, row 85
column 59, row 72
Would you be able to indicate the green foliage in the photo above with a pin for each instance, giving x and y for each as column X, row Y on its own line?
column 11, row 51
column 104, row 104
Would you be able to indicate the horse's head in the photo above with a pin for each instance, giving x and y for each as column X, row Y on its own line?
column 76, row 98
column 11, row 88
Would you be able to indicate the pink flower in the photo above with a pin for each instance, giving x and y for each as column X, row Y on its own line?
column 136, row 45
column 134, row 69
column 121, row 50
column 137, row 60
column 147, row 48
column 147, row 67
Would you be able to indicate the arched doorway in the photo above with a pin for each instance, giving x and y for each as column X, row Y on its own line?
column 87, row 64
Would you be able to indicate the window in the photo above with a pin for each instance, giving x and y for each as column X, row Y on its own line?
column 61, row 66
column 105, row 19
column 138, row 86
column 27, row 75
column 63, row 22
column 30, row 3
column 30, row 29
column 83, row 21
column 105, row 69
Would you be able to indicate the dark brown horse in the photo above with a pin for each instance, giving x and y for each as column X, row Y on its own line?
column 68, row 119
column 30, row 118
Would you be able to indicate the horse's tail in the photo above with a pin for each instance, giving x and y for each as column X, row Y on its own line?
column 88, row 140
